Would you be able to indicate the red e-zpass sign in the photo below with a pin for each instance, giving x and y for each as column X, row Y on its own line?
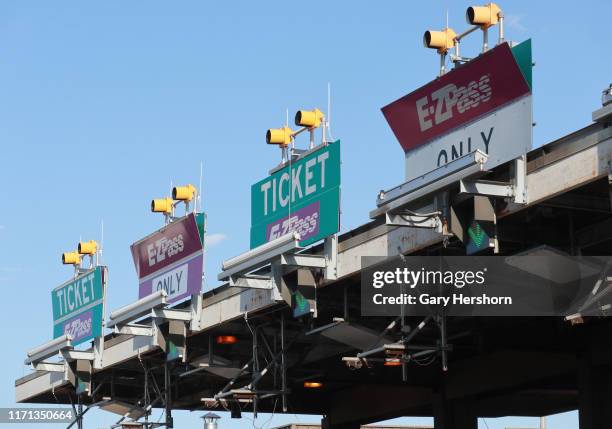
column 458, row 97
column 170, row 259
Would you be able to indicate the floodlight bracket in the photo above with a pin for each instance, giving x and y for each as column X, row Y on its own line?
column 397, row 199
column 136, row 310
column 304, row 260
column 515, row 190
column 71, row 355
column 172, row 314
column 135, row 330
column 50, row 366
column 414, row 221
column 260, row 256
column 49, row 349
column 252, row 281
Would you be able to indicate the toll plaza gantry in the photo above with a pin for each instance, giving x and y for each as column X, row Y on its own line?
column 285, row 332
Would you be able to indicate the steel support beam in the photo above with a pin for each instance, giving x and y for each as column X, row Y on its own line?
column 595, row 395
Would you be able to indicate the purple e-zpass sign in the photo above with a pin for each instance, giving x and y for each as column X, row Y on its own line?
column 304, row 221
column 80, row 326
column 171, row 260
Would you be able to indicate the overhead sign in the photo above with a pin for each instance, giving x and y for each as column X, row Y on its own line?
column 171, row 259
column 503, row 135
column 303, row 196
column 468, row 92
column 78, row 306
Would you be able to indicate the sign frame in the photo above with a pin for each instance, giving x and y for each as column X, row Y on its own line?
column 301, row 196
column 172, row 258
column 95, row 311
column 469, row 91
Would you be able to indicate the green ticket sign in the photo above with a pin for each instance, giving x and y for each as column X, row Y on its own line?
column 78, row 306
column 303, row 196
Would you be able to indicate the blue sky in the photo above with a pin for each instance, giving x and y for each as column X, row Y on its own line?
column 105, row 104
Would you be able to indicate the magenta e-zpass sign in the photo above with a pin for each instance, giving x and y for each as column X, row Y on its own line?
column 466, row 93
column 170, row 259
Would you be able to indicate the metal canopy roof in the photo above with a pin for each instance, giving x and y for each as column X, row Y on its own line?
column 514, row 360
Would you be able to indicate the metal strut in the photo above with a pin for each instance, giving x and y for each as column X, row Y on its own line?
column 250, row 390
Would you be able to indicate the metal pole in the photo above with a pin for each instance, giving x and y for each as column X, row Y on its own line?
column 346, row 307
column 403, row 330
column 283, row 364
column 210, row 350
column 233, row 380
column 457, row 50
column 255, row 370
column 443, row 342
column 485, row 40
column 168, row 395
column 501, row 29
column 442, row 63
column 146, row 394
column 312, row 143
column 80, row 423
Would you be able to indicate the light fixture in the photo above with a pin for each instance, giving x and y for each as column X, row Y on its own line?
column 71, row 258
column 184, row 193
column 226, row 339
column 313, row 384
column 87, row 247
column 162, row 205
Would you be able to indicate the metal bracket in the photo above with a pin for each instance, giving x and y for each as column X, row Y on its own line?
column 397, row 198
column 98, row 348
column 196, row 312
column 77, row 355
column 516, row 189
column 252, row 281
column 331, row 257
column 50, row 366
column 136, row 330
column 278, row 254
column 414, row 221
column 172, row 314
column 260, row 256
column 302, row 260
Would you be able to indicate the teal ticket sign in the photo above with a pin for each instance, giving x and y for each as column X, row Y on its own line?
column 78, row 306
column 303, row 196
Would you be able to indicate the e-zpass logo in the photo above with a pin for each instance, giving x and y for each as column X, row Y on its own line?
column 164, row 248
column 441, row 105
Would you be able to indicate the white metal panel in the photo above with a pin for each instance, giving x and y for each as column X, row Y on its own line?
column 236, row 305
column 503, row 135
column 127, row 349
column 568, row 173
column 391, row 244
column 43, row 383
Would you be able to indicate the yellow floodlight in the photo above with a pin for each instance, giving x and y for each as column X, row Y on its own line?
column 162, row 205
column 183, row 193
column 309, row 118
column 440, row 40
column 279, row 136
column 71, row 258
column 484, row 16
column 87, row 248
